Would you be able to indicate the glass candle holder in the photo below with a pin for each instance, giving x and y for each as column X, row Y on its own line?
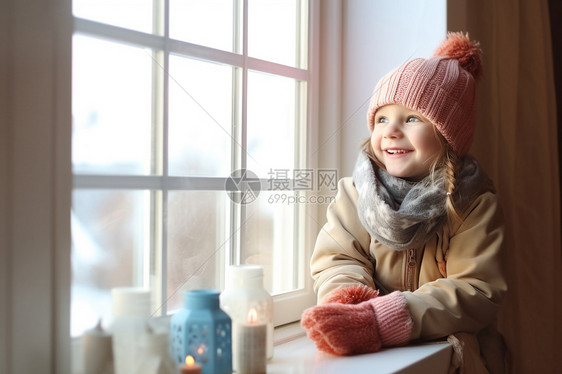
column 202, row 330
column 250, row 307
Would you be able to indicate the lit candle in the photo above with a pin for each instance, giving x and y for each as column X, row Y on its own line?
column 190, row 367
column 249, row 348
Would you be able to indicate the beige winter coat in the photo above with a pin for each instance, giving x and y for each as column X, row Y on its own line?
column 454, row 284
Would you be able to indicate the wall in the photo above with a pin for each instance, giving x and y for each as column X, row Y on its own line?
column 360, row 41
column 4, row 286
column 34, row 186
column 378, row 36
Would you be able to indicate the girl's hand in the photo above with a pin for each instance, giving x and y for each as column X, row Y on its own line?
column 350, row 329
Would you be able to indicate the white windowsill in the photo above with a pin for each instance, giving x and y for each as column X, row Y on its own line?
column 296, row 354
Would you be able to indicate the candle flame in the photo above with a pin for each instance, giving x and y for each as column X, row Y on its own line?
column 201, row 349
column 189, row 360
column 253, row 316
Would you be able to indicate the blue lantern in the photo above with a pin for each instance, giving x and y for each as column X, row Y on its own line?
column 202, row 330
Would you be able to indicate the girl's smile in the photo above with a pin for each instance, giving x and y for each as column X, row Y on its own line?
column 397, row 152
column 404, row 141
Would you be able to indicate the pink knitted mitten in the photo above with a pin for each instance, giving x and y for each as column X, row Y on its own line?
column 349, row 329
column 350, row 295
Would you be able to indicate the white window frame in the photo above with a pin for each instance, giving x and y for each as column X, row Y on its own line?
column 36, row 184
column 288, row 306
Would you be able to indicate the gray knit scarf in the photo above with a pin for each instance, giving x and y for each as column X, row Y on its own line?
column 402, row 214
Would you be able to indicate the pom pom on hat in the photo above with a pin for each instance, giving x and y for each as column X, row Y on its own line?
column 441, row 88
column 467, row 52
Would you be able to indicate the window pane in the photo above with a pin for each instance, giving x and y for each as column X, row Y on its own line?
column 130, row 14
column 271, row 237
column 196, row 242
column 205, row 22
column 111, row 108
column 272, row 30
column 271, row 123
column 108, row 242
column 200, row 118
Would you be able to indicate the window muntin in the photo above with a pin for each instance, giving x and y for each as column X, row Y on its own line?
column 201, row 121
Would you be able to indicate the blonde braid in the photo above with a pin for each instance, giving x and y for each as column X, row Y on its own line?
column 452, row 162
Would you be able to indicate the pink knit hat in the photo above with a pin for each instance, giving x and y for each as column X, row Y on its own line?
column 441, row 88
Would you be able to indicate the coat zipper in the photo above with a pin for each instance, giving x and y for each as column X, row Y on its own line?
column 410, row 269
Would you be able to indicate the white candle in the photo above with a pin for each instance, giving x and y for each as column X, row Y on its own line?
column 249, row 348
column 97, row 351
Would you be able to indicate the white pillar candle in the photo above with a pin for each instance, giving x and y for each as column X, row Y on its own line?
column 97, row 351
column 249, row 345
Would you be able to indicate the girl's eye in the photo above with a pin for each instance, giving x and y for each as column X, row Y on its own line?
column 413, row 119
column 382, row 120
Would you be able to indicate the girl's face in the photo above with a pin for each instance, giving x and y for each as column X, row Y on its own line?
column 405, row 142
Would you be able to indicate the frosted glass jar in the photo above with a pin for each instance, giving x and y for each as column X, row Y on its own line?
column 243, row 293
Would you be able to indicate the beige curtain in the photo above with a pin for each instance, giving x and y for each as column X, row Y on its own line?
column 516, row 141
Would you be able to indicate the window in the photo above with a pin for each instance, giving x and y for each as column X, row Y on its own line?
column 191, row 127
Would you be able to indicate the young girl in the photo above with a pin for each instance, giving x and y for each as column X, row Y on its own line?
column 411, row 249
